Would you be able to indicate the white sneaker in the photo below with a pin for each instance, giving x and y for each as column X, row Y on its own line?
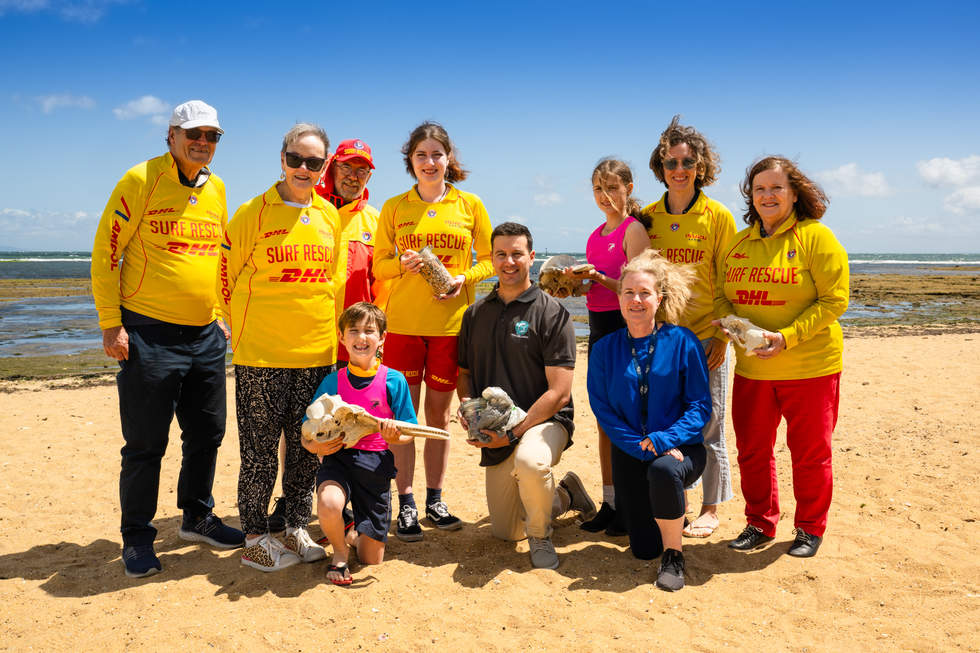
column 268, row 554
column 543, row 554
column 298, row 541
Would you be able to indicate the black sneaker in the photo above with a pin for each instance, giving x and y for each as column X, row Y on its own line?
column 140, row 560
column 439, row 513
column 750, row 538
column 805, row 545
column 671, row 574
column 601, row 520
column 211, row 531
column 408, row 529
column 277, row 518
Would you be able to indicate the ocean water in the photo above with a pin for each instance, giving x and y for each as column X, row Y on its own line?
column 68, row 325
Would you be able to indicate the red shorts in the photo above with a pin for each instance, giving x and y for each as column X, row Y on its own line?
column 429, row 358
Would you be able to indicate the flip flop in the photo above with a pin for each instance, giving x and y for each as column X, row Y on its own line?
column 342, row 569
column 693, row 529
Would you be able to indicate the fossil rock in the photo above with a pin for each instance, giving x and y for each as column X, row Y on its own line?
column 493, row 410
column 555, row 283
column 329, row 417
column 744, row 334
column 434, row 272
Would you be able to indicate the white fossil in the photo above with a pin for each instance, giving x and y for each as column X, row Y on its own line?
column 744, row 334
column 493, row 410
column 329, row 417
column 553, row 281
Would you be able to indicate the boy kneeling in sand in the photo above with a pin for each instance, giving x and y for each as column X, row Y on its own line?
column 362, row 473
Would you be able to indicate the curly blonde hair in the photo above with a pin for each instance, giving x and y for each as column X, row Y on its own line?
column 673, row 282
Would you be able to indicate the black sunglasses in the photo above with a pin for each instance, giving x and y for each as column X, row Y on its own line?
column 313, row 163
column 687, row 162
column 194, row 134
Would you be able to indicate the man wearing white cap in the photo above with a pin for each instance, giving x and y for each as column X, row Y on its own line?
column 154, row 271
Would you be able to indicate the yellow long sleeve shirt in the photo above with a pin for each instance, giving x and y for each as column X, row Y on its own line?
column 156, row 246
column 275, row 282
column 455, row 227
column 696, row 239
column 795, row 282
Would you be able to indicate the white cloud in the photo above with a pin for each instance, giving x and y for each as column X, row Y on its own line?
column 147, row 105
column 43, row 229
column 950, row 172
column 849, row 179
column 964, row 201
column 76, row 11
column 49, row 103
column 549, row 198
column 916, row 226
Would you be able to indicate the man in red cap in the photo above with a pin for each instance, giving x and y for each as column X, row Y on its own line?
column 345, row 186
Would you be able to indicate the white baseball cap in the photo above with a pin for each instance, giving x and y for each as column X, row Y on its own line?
column 195, row 113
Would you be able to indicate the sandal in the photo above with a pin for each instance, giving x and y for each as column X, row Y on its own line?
column 342, row 569
column 696, row 530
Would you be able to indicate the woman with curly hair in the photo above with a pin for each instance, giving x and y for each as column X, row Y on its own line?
column 424, row 327
column 648, row 386
column 690, row 228
column 788, row 274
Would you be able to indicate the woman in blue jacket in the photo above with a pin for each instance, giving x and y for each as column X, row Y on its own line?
column 648, row 386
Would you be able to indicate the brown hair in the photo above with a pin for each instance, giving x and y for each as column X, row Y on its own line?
column 435, row 131
column 357, row 313
column 609, row 166
column 708, row 161
column 811, row 201
column 673, row 282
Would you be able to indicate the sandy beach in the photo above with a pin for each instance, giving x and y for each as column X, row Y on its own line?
column 897, row 570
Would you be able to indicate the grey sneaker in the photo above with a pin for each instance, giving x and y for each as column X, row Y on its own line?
column 580, row 499
column 543, row 554
column 671, row 574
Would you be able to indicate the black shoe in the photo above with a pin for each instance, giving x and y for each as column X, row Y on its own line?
column 408, row 529
column 671, row 574
column 439, row 513
column 277, row 518
column 602, row 519
column 140, row 560
column 805, row 545
column 750, row 538
column 616, row 528
column 210, row 530
column 348, row 516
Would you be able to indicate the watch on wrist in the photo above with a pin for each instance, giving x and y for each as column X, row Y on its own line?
column 511, row 438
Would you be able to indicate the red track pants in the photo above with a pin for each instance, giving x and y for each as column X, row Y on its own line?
column 810, row 409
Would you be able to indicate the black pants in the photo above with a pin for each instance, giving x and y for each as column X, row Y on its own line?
column 650, row 490
column 171, row 369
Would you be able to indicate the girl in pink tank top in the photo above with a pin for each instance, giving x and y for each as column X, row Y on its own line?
column 611, row 246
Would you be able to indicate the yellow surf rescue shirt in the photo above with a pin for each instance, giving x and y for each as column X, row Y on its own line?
column 275, row 282
column 795, row 282
column 156, row 246
column 696, row 239
column 454, row 227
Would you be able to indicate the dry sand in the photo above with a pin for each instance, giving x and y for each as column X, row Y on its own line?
column 897, row 570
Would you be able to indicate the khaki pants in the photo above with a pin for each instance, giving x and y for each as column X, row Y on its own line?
column 521, row 490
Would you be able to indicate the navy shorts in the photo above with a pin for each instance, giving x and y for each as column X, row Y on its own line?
column 602, row 323
column 365, row 477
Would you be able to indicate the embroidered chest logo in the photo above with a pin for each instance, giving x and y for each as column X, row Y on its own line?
column 431, row 213
column 375, row 404
column 675, row 227
column 521, row 328
column 612, row 246
column 791, row 253
column 192, row 200
column 305, row 219
column 366, row 236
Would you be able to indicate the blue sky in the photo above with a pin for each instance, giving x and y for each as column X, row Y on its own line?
column 878, row 102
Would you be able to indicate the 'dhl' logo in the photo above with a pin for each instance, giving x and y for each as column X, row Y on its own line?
column 295, row 275
column 756, row 298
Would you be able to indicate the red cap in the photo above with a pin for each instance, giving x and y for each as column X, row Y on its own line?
column 354, row 149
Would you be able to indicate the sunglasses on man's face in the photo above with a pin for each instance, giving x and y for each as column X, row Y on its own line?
column 313, row 163
column 687, row 162
column 194, row 134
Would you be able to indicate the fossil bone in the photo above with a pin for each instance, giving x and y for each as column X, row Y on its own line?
column 744, row 334
column 493, row 410
column 329, row 417
column 553, row 281
column 434, row 272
